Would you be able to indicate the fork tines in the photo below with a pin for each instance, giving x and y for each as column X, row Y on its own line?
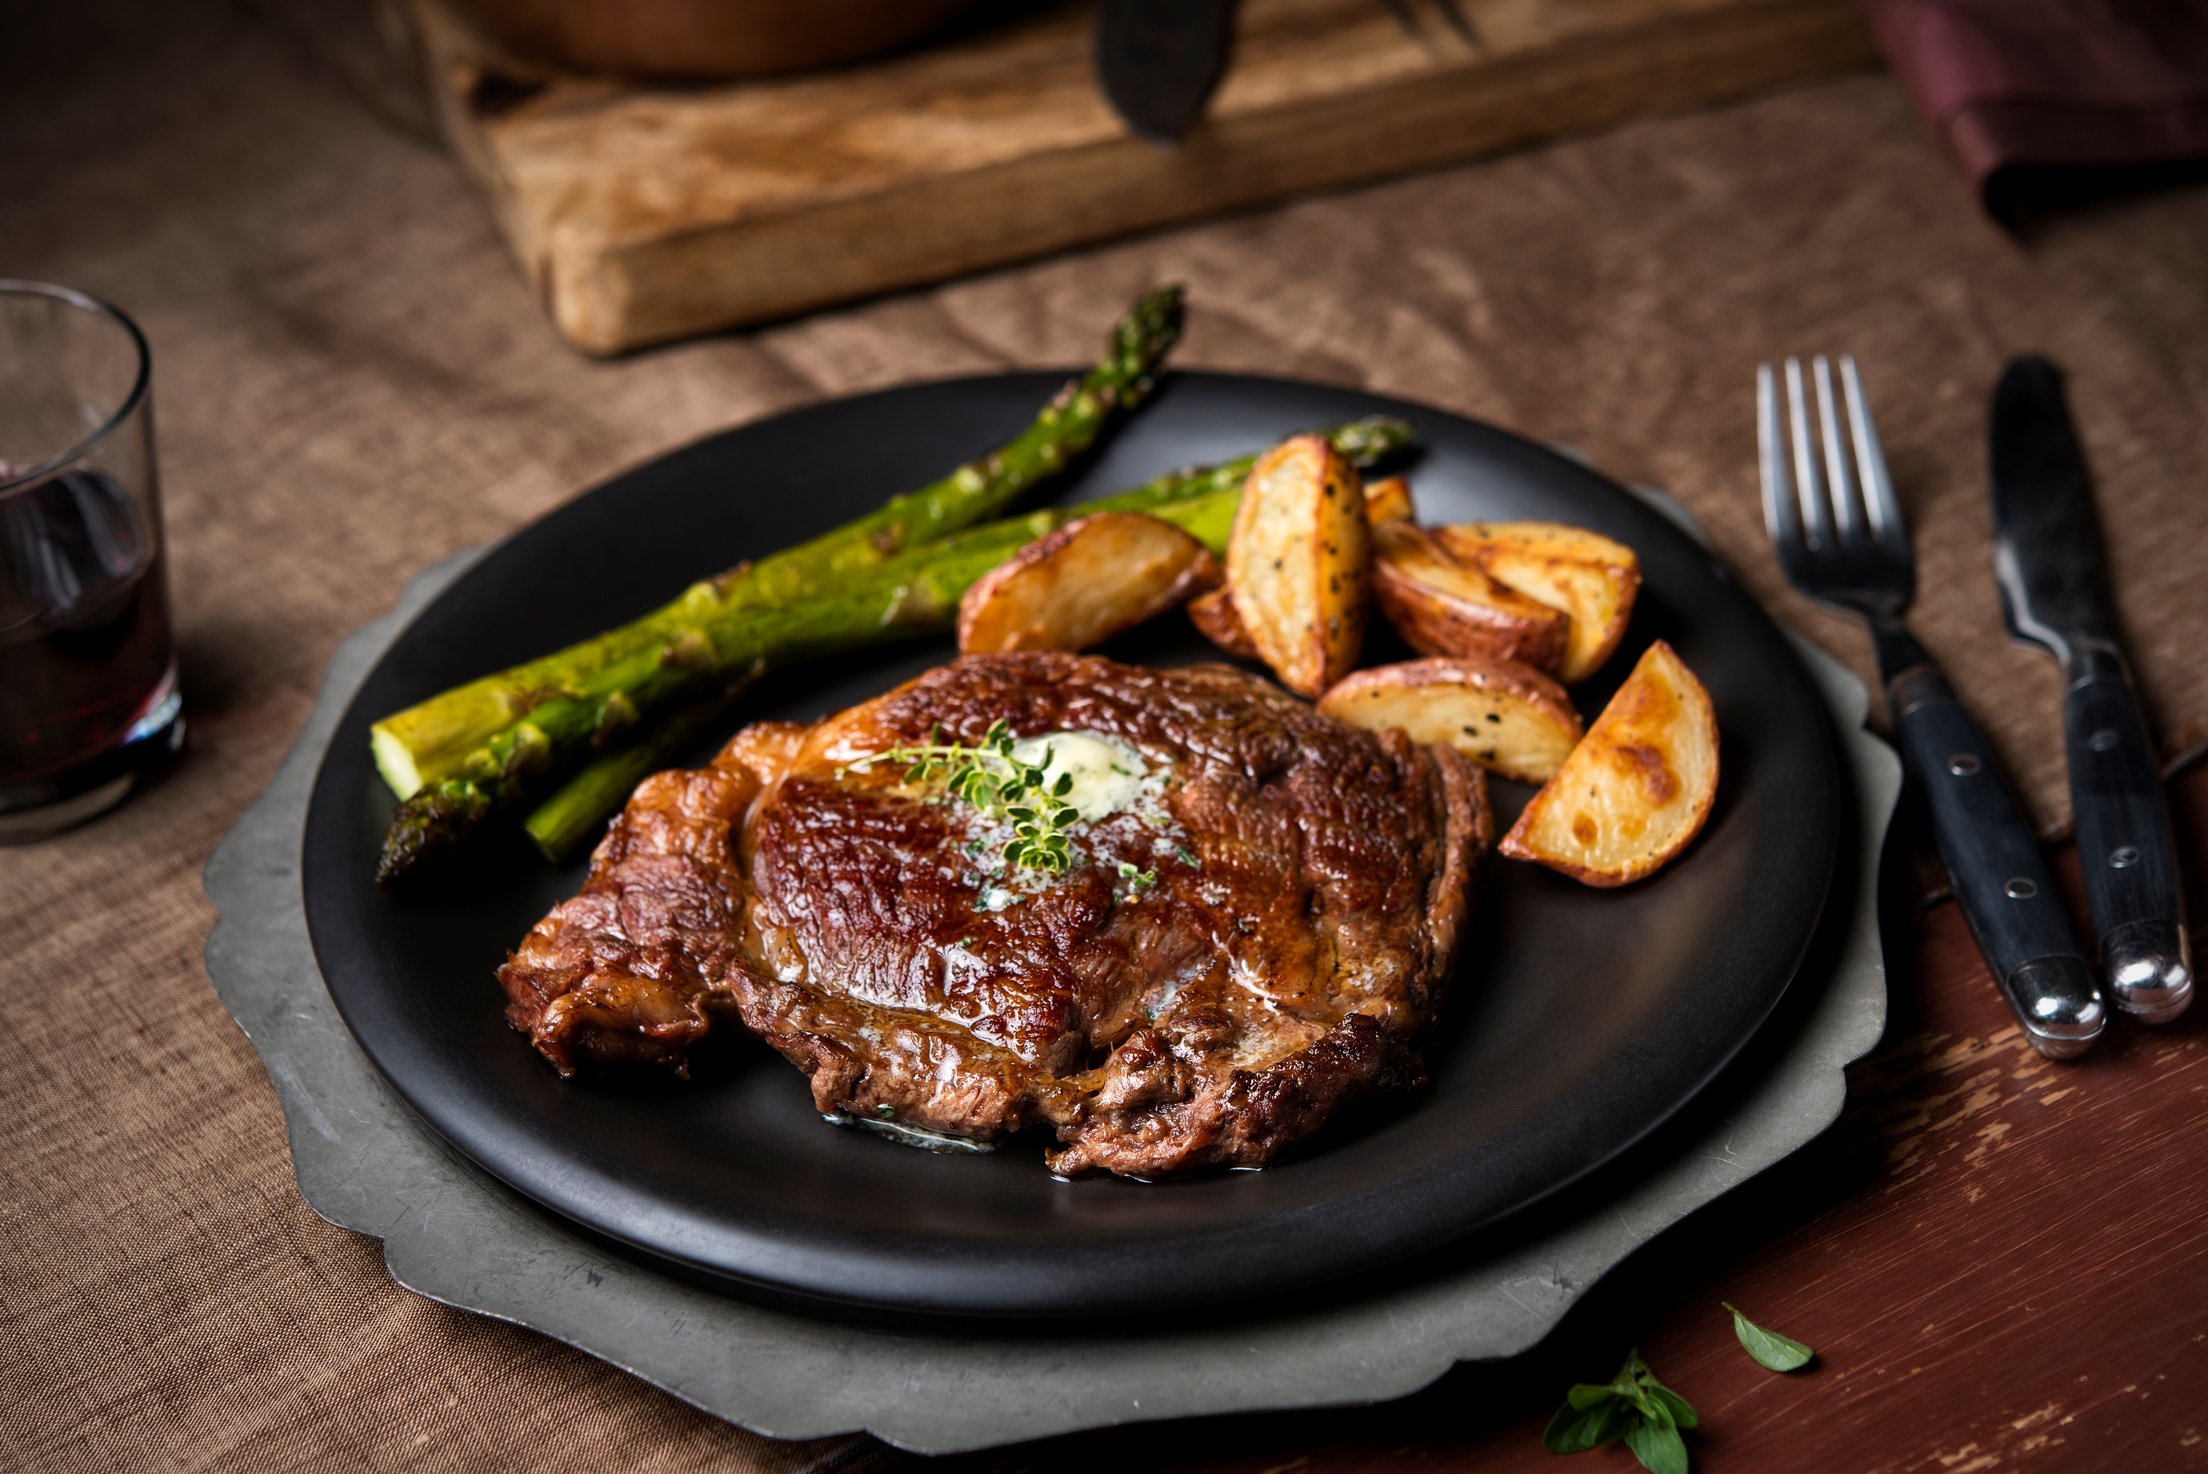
column 1836, row 492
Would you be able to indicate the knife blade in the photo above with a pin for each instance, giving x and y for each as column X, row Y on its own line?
column 2047, row 543
column 1158, row 61
column 2055, row 593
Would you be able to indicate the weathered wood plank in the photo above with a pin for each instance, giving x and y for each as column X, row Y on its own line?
column 643, row 214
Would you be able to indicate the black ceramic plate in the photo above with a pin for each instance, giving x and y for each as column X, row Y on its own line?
column 1579, row 1019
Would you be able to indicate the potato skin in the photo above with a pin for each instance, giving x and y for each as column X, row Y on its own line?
column 1593, row 579
column 1084, row 583
column 1300, row 563
column 1442, row 606
column 1509, row 718
column 1637, row 789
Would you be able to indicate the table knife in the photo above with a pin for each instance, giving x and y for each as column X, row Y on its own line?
column 2055, row 594
column 1158, row 61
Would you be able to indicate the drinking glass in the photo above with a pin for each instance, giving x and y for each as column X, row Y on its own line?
column 88, row 694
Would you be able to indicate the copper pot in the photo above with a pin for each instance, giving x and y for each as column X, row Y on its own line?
column 707, row 38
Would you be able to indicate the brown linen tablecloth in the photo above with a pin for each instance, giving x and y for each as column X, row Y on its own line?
column 352, row 382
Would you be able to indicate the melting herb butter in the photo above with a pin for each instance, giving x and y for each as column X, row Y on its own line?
column 1108, row 775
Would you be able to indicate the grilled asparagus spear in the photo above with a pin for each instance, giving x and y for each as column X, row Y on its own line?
column 443, row 737
column 916, row 593
column 579, row 806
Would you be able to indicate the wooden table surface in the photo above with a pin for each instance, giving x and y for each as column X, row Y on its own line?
column 2001, row 1260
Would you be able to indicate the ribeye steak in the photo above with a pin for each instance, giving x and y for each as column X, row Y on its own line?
column 1262, row 911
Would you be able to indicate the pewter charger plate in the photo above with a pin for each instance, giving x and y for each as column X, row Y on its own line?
column 451, row 1232
column 1580, row 1021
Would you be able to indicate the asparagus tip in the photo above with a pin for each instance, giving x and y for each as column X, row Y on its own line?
column 429, row 827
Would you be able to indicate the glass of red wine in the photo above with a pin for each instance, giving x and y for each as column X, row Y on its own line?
column 89, row 702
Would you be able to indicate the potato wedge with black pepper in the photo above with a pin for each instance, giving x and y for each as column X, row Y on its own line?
column 1636, row 790
column 1299, row 563
column 1509, row 718
column 1076, row 587
column 1592, row 578
column 1442, row 605
column 1214, row 614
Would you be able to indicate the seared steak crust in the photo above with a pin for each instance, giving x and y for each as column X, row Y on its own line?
column 1230, row 959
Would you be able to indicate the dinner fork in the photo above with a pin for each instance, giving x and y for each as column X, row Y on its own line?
column 1837, row 527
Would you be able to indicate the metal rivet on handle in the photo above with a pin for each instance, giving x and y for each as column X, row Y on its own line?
column 2102, row 740
column 2020, row 889
column 1962, row 765
column 2124, row 855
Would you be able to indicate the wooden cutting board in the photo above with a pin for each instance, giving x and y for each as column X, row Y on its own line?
column 646, row 213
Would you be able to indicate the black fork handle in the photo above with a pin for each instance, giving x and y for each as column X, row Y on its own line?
column 2001, row 879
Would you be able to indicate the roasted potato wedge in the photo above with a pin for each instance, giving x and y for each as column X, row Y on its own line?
column 1507, row 717
column 1389, row 500
column 1443, row 606
column 1218, row 621
column 1299, row 562
column 1638, row 787
column 1214, row 614
column 1588, row 576
column 1075, row 588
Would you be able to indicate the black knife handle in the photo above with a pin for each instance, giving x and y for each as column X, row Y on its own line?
column 2124, row 842
column 1158, row 61
column 1993, row 857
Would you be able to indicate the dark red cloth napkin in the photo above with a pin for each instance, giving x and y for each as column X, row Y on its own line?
column 2017, row 89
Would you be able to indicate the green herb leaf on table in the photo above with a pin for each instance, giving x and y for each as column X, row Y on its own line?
column 1632, row 1406
column 1575, row 1429
column 1639, row 1383
column 1677, row 1408
column 1769, row 1348
column 1657, row 1444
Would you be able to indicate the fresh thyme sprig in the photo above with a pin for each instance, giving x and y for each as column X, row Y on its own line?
column 991, row 777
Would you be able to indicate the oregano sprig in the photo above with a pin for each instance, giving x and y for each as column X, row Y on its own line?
column 991, row 776
column 1632, row 1407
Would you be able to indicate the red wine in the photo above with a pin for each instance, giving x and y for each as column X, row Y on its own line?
column 87, row 670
